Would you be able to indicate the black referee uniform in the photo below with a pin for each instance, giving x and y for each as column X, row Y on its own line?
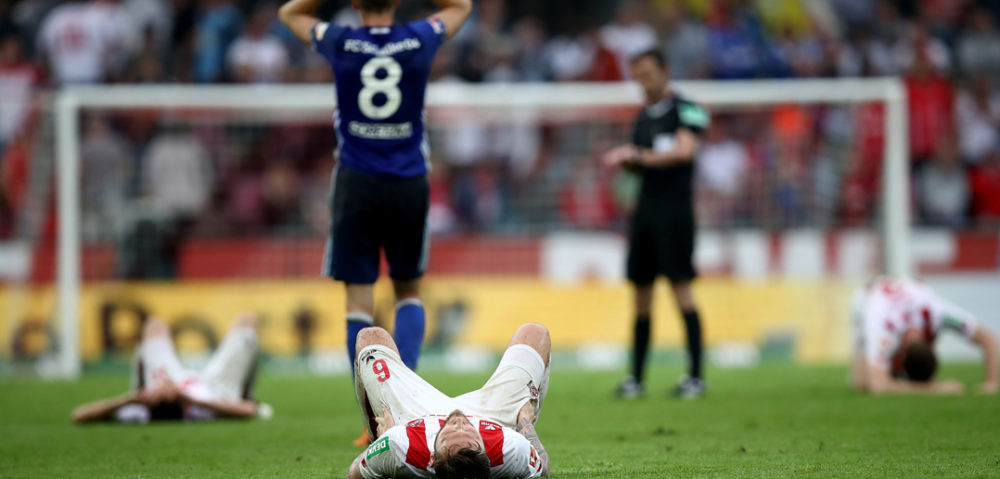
column 661, row 236
column 662, row 230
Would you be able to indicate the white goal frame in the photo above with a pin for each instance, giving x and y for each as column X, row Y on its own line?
column 890, row 91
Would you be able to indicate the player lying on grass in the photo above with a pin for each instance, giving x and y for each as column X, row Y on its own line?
column 423, row 433
column 163, row 390
column 896, row 322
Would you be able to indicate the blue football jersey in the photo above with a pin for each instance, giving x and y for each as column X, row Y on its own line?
column 381, row 76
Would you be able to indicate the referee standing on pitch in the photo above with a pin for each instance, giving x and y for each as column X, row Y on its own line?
column 665, row 139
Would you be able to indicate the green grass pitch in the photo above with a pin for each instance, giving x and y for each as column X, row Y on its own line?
column 773, row 421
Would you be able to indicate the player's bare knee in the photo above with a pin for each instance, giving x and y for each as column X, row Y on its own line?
column 375, row 336
column 246, row 320
column 536, row 336
column 154, row 328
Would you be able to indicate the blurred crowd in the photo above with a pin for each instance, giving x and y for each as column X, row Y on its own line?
column 775, row 167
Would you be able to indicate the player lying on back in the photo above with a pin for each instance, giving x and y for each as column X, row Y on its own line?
column 423, row 433
column 896, row 322
column 164, row 390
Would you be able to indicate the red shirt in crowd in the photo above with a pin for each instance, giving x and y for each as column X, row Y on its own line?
column 985, row 185
column 932, row 109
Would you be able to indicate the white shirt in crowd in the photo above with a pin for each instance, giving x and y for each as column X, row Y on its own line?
column 264, row 57
column 85, row 42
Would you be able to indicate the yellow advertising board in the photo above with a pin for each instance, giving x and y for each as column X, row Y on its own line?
column 476, row 312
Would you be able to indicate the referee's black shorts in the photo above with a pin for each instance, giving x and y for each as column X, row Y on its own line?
column 368, row 213
column 661, row 243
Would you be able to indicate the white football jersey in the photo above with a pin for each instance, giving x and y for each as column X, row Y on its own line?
column 891, row 306
column 407, row 451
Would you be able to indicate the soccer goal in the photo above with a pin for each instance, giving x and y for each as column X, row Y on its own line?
column 512, row 162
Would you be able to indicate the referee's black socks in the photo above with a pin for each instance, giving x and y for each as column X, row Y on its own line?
column 693, row 324
column 640, row 345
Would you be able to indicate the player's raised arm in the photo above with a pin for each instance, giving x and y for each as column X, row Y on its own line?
column 298, row 16
column 453, row 13
column 991, row 367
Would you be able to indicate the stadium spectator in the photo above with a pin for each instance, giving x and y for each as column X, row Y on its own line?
column 629, row 35
column 978, row 50
column 87, row 42
column 985, row 185
column 217, row 25
column 177, row 173
column 422, row 433
column 155, row 17
column 977, row 116
column 722, row 166
column 177, row 178
column 732, row 51
column 18, row 80
column 896, row 322
column 147, row 65
column 919, row 46
column 13, row 184
column 280, row 194
column 942, row 189
column 864, row 54
column 106, row 168
column 162, row 389
column 931, row 107
column 686, row 42
column 586, row 199
column 580, row 56
column 257, row 56
column 529, row 35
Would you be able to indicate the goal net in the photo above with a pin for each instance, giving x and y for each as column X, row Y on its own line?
column 196, row 203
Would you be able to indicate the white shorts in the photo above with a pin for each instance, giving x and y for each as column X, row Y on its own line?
column 520, row 378
column 228, row 374
column 381, row 378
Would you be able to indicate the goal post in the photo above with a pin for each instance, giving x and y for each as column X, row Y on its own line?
column 500, row 99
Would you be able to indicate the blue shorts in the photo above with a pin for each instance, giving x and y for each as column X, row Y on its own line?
column 369, row 214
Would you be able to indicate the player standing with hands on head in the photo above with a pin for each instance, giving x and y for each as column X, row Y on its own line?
column 665, row 139
column 380, row 195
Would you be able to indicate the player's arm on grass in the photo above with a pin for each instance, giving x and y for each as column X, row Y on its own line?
column 354, row 472
column 453, row 13
column 241, row 409
column 526, row 427
column 991, row 368
column 298, row 16
column 379, row 460
column 103, row 409
column 878, row 381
